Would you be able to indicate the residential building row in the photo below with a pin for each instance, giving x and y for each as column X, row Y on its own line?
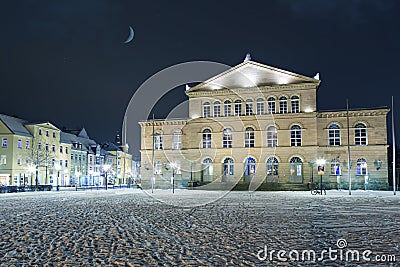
column 33, row 154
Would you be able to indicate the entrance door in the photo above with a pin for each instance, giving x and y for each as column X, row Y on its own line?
column 296, row 170
column 249, row 169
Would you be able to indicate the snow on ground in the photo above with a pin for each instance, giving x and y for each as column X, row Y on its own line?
column 130, row 227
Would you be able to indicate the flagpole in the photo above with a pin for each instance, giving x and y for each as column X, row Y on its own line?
column 394, row 150
column 152, row 161
column 348, row 145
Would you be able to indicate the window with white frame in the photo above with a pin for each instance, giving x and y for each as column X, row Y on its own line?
column 217, row 109
column 362, row 167
column 295, row 104
column 227, row 108
column 178, row 167
column 53, row 148
column 335, row 167
column 39, row 145
column 66, row 163
column 334, row 135
column 360, row 134
column 228, row 166
column 66, row 150
column 3, row 159
column 272, row 136
column 295, row 135
column 272, row 166
column 61, row 149
column 47, row 147
column 27, row 144
column 19, row 143
column 47, row 132
column 238, row 107
column 177, row 140
column 227, row 138
column 206, row 138
column 249, row 107
column 271, row 105
column 40, row 131
column 158, row 142
column 260, row 106
column 283, row 105
column 53, row 162
column 54, row 134
column 249, row 137
column 206, row 110
column 4, row 142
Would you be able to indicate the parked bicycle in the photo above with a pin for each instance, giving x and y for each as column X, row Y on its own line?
column 317, row 191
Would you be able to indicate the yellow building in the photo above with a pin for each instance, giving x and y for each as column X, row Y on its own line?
column 259, row 125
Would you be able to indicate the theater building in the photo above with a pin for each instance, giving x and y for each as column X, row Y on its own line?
column 256, row 124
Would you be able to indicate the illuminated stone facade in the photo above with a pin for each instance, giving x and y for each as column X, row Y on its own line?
column 260, row 125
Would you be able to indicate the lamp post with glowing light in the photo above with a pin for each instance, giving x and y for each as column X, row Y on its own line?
column 57, row 167
column 321, row 171
column 106, row 167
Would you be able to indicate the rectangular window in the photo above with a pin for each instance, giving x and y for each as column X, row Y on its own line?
column 47, row 132
column 66, row 163
column 66, row 150
column 271, row 107
column 27, row 144
column 61, row 149
column 4, row 142
column 334, row 137
column 227, row 109
column 19, row 161
column 217, row 110
column 40, row 131
column 249, row 108
column 19, row 143
column 47, row 147
column 61, row 163
column 54, row 134
column 238, row 109
column 206, row 110
column 39, row 146
column 3, row 160
column 53, row 148
column 283, row 106
column 260, row 108
column 295, row 106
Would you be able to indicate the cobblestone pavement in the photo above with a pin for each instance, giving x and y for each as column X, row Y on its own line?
column 131, row 228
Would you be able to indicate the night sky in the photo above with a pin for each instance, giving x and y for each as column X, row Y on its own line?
column 66, row 61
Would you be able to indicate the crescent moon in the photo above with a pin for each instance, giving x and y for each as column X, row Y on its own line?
column 131, row 34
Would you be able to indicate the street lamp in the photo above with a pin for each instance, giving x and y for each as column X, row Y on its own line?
column 31, row 169
column 57, row 166
column 320, row 163
column 173, row 166
column 106, row 167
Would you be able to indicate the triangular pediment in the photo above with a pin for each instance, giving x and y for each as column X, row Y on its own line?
column 250, row 74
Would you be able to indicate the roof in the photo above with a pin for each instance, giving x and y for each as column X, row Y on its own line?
column 109, row 146
column 252, row 74
column 16, row 125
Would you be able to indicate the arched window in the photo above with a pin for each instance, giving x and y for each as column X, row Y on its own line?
column 206, row 110
column 272, row 170
column 362, row 166
column 207, row 170
column 296, row 170
column 295, row 135
column 227, row 138
column 271, row 105
column 238, row 107
column 334, row 135
column 260, row 106
column 206, row 143
column 158, row 145
column 283, row 105
column 335, row 167
column 272, row 136
column 295, row 104
column 228, row 166
column 249, row 137
column 177, row 140
column 217, row 109
column 249, row 107
column 227, row 108
column 360, row 134
column 250, row 166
